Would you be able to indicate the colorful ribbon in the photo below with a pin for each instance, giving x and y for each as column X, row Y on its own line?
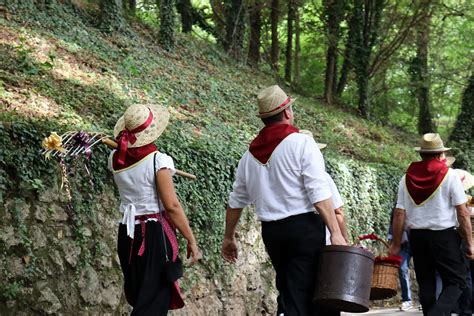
column 278, row 107
column 82, row 139
column 53, row 142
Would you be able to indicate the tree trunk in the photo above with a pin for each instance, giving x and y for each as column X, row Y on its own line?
column 185, row 8
column 111, row 15
column 462, row 135
column 235, row 28
column 275, row 51
column 255, row 19
column 367, row 17
column 167, row 24
column 130, row 6
column 333, row 16
column 348, row 52
column 289, row 40
column 297, row 78
column 420, row 76
column 219, row 14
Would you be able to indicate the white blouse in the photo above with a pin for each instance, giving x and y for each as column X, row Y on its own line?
column 136, row 185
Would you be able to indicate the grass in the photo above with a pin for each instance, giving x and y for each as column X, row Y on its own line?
column 77, row 76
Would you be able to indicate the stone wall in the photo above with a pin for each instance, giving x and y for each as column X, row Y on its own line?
column 64, row 274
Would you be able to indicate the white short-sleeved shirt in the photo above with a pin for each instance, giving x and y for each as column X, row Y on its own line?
column 136, row 185
column 439, row 211
column 289, row 184
column 336, row 203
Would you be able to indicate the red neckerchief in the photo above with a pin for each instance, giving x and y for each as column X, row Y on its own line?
column 132, row 155
column 268, row 139
column 424, row 177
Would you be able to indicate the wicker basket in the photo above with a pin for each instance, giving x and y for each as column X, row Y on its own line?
column 384, row 281
column 472, row 223
column 384, row 276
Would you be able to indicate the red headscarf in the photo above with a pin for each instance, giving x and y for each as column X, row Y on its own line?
column 268, row 139
column 132, row 155
column 424, row 177
column 124, row 156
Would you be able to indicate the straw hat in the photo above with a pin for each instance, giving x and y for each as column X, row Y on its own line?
column 450, row 160
column 310, row 134
column 467, row 179
column 272, row 100
column 136, row 116
column 431, row 143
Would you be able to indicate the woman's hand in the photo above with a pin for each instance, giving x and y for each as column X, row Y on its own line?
column 194, row 252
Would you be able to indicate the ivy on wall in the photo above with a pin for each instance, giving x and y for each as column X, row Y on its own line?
column 368, row 191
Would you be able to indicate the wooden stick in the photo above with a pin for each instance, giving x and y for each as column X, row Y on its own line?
column 112, row 144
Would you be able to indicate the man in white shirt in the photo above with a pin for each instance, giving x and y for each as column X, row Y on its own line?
column 283, row 175
column 432, row 204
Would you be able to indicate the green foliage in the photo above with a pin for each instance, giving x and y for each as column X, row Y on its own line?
column 212, row 100
column 367, row 206
column 10, row 291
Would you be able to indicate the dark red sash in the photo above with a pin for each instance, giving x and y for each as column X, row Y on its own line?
column 424, row 177
column 268, row 139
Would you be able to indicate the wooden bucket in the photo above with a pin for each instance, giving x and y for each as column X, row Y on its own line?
column 472, row 223
column 344, row 275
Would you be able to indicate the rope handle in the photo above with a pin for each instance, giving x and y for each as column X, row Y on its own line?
column 371, row 237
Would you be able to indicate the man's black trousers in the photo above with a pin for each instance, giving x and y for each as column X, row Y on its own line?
column 438, row 251
column 294, row 244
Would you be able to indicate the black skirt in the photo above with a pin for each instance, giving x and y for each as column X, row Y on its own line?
column 146, row 288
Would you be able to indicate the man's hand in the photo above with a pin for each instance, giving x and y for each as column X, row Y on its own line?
column 470, row 252
column 394, row 250
column 338, row 239
column 229, row 250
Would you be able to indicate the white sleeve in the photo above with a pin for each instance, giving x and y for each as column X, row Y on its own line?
column 163, row 161
column 456, row 190
column 401, row 194
column 239, row 197
column 313, row 172
column 336, row 197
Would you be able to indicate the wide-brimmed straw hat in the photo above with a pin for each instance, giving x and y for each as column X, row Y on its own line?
column 450, row 160
column 271, row 101
column 467, row 179
column 431, row 143
column 309, row 133
column 145, row 121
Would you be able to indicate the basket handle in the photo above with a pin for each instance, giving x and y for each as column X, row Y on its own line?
column 372, row 237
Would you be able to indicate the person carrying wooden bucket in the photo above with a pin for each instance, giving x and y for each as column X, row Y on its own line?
column 283, row 175
column 432, row 205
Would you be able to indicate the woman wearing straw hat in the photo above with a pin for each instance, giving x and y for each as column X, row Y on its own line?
column 147, row 245
column 431, row 203
column 282, row 174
